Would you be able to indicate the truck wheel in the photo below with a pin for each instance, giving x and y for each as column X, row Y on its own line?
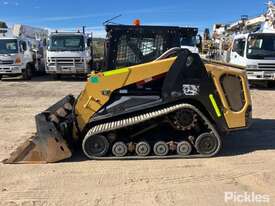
column 27, row 74
column 56, row 76
column 33, row 70
column 270, row 84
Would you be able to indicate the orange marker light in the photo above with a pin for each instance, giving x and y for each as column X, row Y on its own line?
column 18, row 60
column 136, row 22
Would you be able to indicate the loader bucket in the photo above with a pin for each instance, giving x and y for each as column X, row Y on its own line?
column 48, row 145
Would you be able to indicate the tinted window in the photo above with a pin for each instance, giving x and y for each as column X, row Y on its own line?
column 188, row 41
column 239, row 46
column 261, row 46
column 8, row 46
column 67, row 43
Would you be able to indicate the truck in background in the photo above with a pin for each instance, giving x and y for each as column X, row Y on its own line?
column 22, row 51
column 189, row 39
column 69, row 53
column 249, row 43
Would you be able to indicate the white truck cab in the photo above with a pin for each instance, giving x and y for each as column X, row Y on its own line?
column 69, row 53
column 256, row 52
column 20, row 54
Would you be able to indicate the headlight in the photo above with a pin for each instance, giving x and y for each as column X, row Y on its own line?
column 18, row 60
column 252, row 66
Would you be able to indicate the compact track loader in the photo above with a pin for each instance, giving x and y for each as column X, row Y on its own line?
column 177, row 106
column 172, row 107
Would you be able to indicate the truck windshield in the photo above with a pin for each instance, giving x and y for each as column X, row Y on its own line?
column 261, row 46
column 188, row 41
column 8, row 46
column 67, row 43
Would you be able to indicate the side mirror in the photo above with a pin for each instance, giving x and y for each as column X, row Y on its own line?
column 89, row 42
column 24, row 46
column 34, row 47
column 44, row 42
column 198, row 40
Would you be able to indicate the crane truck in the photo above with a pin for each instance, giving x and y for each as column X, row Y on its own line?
column 69, row 53
column 22, row 51
column 249, row 43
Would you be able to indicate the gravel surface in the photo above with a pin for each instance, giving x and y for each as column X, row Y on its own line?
column 246, row 163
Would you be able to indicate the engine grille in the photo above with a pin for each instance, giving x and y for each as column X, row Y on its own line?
column 266, row 66
column 64, row 61
column 6, row 62
column 233, row 90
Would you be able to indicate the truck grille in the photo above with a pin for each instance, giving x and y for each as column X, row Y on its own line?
column 266, row 66
column 6, row 62
column 63, row 61
column 233, row 90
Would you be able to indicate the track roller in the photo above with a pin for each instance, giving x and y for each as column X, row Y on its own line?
column 143, row 149
column 184, row 148
column 161, row 148
column 95, row 146
column 207, row 144
column 119, row 149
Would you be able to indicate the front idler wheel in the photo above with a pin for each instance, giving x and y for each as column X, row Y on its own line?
column 119, row 149
column 161, row 149
column 143, row 149
column 207, row 144
column 95, row 146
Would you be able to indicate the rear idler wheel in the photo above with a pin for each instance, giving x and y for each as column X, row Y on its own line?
column 119, row 149
column 143, row 149
column 161, row 149
column 207, row 144
column 184, row 148
column 95, row 146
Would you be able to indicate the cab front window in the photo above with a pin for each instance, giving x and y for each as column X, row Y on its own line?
column 8, row 46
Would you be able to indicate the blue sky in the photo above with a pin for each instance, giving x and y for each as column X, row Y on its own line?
column 66, row 14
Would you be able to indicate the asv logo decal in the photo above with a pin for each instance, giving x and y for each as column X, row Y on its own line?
column 190, row 89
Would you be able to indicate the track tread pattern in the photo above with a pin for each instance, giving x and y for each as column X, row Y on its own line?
column 134, row 120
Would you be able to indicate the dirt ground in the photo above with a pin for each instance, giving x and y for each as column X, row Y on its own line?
column 246, row 164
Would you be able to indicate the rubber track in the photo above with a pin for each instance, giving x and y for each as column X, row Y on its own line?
column 134, row 120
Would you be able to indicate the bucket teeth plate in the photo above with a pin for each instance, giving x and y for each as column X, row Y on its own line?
column 39, row 151
column 48, row 145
